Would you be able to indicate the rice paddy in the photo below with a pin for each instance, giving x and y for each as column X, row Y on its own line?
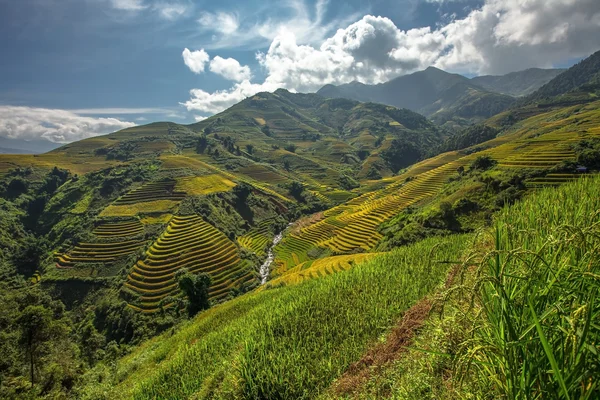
column 188, row 242
column 97, row 253
column 152, row 191
column 203, row 185
column 258, row 238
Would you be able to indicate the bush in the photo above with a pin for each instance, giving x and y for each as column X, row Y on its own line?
column 483, row 163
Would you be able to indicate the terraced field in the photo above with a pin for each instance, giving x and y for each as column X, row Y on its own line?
column 353, row 225
column 152, row 191
column 188, row 242
column 258, row 238
column 263, row 174
column 97, row 252
column 119, row 229
column 551, row 180
column 321, row 267
column 202, row 185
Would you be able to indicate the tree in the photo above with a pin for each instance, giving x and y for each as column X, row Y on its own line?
column 196, row 288
column 296, row 189
column 483, row 163
column 249, row 148
column 37, row 328
column 287, row 165
column 201, row 144
column 291, row 147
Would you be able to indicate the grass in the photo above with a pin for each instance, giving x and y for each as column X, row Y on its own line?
column 522, row 321
column 539, row 297
column 284, row 343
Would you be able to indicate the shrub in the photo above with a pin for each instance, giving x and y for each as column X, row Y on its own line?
column 483, row 163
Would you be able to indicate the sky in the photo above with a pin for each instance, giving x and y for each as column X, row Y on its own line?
column 72, row 69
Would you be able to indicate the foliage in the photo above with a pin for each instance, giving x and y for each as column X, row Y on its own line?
column 195, row 287
column 538, row 292
column 483, row 163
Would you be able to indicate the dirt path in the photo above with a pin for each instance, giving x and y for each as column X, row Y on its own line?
column 382, row 354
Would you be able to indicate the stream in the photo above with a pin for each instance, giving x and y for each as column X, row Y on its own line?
column 265, row 269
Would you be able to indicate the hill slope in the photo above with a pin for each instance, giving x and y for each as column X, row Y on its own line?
column 586, row 72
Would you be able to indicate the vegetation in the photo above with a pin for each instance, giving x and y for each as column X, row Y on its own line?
column 132, row 263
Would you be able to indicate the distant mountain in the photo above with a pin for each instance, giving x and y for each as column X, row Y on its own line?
column 519, row 83
column 585, row 73
column 20, row 146
column 444, row 97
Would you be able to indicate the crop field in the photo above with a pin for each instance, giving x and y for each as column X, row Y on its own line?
column 353, row 225
column 263, row 174
column 156, row 219
column 188, row 242
column 147, row 207
column 258, row 238
column 321, row 267
column 152, row 191
column 97, row 252
column 119, row 229
column 202, row 185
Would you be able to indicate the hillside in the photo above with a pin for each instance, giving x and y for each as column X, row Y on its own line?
column 517, row 84
column 301, row 336
column 586, row 72
column 296, row 246
column 441, row 96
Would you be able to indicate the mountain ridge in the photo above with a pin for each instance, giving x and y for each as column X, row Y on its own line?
column 444, row 97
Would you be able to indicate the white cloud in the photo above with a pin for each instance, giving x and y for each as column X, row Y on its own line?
column 257, row 27
column 500, row 37
column 171, row 11
column 222, row 22
column 128, row 5
column 195, row 60
column 230, row 69
column 58, row 126
column 199, row 118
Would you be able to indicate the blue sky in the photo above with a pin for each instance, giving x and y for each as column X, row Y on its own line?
column 97, row 65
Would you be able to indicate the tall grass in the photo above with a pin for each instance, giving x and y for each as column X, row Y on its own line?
column 539, row 296
column 289, row 342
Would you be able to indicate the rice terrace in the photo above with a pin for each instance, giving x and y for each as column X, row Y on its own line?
column 367, row 201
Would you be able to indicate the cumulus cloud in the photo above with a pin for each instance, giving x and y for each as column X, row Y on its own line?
column 199, row 118
column 499, row 37
column 195, row 60
column 230, row 69
column 58, row 126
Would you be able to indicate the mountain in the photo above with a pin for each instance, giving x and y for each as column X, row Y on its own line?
column 585, row 76
column 439, row 95
column 328, row 131
column 520, row 83
column 320, row 238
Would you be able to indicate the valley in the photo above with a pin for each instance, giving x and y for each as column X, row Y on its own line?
column 264, row 251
